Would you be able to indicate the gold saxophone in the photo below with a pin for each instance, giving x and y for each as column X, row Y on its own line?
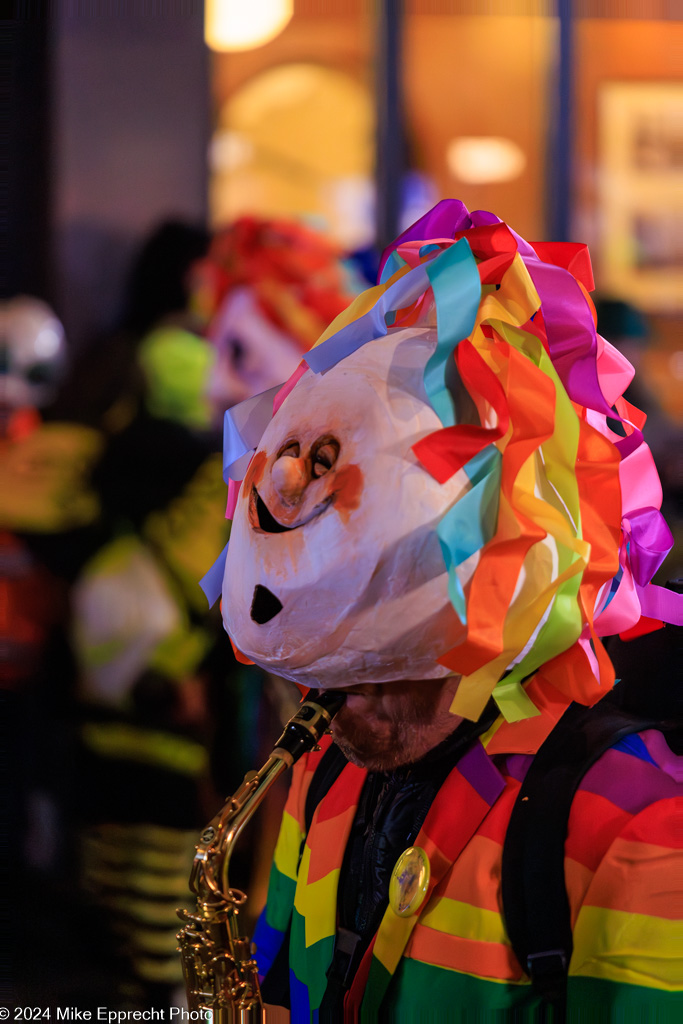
column 220, row 972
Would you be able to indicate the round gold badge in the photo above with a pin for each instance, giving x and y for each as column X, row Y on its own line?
column 409, row 881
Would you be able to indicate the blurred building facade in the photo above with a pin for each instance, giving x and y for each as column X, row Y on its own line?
column 294, row 131
column 141, row 122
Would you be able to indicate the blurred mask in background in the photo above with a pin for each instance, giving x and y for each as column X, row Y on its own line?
column 266, row 291
column 32, row 353
column 252, row 354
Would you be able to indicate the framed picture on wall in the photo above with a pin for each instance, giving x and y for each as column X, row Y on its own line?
column 641, row 192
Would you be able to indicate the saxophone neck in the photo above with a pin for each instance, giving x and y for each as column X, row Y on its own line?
column 217, row 841
column 220, row 971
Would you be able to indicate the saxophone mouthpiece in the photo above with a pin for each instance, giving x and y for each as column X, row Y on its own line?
column 311, row 721
column 331, row 700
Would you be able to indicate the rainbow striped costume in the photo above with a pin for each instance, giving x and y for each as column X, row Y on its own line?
column 452, row 960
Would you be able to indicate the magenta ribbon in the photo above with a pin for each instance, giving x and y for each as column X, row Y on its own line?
column 442, row 221
column 570, row 331
column 650, row 542
column 660, row 603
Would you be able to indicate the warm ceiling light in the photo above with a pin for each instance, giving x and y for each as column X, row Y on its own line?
column 244, row 24
column 484, row 159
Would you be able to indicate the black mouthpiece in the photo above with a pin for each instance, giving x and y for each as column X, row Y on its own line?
column 312, row 720
column 331, row 701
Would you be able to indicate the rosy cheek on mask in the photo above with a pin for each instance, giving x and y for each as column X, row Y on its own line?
column 347, row 488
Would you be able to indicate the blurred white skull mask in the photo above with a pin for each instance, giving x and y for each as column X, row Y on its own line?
column 32, row 352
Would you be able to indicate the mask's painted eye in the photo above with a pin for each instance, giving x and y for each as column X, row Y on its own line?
column 324, row 455
column 237, row 352
column 41, row 373
column 291, row 449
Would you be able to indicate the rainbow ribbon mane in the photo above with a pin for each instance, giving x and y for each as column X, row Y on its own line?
column 519, row 323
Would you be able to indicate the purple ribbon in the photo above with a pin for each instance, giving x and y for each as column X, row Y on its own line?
column 660, row 603
column 570, row 331
column 442, row 221
column 650, row 542
column 627, row 445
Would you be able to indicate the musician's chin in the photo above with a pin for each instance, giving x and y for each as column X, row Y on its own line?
column 367, row 737
column 384, row 725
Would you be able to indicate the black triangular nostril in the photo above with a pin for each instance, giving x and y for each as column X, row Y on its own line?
column 264, row 605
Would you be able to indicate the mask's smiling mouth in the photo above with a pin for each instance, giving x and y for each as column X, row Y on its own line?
column 263, row 520
column 260, row 516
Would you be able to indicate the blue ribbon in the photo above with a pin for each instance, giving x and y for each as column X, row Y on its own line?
column 243, row 427
column 455, row 282
column 212, row 582
column 372, row 324
column 394, row 263
column 471, row 522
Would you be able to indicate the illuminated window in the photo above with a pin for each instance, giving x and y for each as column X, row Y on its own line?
column 483, row 160
column 297, row 140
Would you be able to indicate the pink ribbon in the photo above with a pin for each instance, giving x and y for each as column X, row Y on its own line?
column 233, row 494
column 289, row 385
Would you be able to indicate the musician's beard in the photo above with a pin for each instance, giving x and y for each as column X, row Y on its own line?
column 384, row 725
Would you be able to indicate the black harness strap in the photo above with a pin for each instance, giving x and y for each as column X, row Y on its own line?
column 535, row 901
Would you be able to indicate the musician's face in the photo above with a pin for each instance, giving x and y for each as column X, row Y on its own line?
column 382, row 727
column 334, row 572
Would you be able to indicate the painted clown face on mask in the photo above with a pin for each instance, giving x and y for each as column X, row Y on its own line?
column 334, row 573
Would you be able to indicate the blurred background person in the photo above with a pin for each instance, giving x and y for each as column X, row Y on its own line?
column 45, row 499
column 141, row 637
column 160, row 694
column 47, row 506
column 266, row 290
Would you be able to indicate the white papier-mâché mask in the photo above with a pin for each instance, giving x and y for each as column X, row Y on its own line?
column 334, row 574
